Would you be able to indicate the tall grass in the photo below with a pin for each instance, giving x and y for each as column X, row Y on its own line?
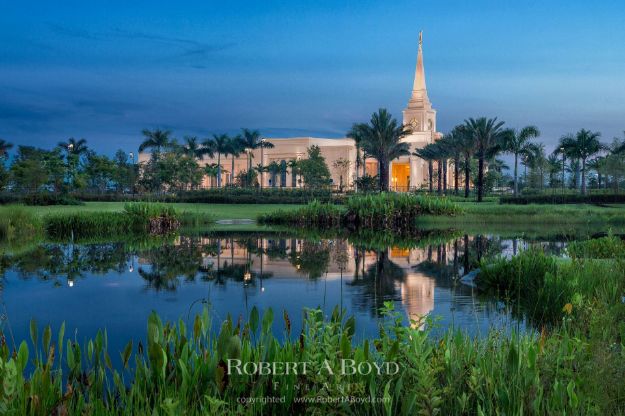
column 385, row 211
column 609, row 247
column 183, row 369
column 18, row 225
column 135, row 218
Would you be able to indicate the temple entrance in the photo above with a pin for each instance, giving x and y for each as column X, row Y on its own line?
column 400, row 177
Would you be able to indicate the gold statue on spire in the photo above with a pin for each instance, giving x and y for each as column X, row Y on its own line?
column 420, row 38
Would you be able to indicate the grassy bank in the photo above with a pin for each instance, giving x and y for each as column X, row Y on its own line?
column 19, row 225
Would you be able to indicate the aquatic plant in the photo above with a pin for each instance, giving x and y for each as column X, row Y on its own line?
column 609, row 247
column 135, row 218
column 385, row 211
column 183, row 369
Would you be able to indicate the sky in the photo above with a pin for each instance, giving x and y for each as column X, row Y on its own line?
column 105, row 70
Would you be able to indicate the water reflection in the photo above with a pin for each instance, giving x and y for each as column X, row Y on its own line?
column 117, row 284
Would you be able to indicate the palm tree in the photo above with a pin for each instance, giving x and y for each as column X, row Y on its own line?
column 466, row 146
column 488, row 136
column 220, row 144
column 4, row 148
column 273, row 168
column 235, row 148
column 251, row 141
column 582, row 145
column 537, row 161
column 193, row 148
column 211, row 171
column 554, row 166
column 157, row 140
column 596, row 164
column 453, row 143
column 518, row 143
column 73, row 149
column 428, row 153
column 356, row 134
column 293, row 165
column 381, row 139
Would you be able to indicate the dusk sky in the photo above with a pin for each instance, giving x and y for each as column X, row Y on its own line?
column 104, row 70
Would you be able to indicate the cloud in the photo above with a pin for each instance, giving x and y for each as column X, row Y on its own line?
column 180, row 47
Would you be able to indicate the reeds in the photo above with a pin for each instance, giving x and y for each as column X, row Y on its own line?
column 395, row 212
column 135, row 218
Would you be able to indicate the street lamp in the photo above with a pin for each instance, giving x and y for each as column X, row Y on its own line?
column 132, row 174
column 262, row 162
column 561, row 149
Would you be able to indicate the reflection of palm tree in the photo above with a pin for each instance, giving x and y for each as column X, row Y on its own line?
column 158, row 281
column 379, row 283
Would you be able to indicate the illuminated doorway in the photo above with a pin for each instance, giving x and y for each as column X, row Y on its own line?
column 400, row 177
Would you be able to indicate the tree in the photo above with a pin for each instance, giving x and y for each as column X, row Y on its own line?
column 193, row 148
column 314, row 170
column 37, row 169
column 488, row 136
column 273, row 168
column 582, row 145
column 4, row 148
column 211, row 170
column 356, row 134
column 157, row 140
column 4, row 154
column 220, row 144
column 381, row 139
column 342, row 166
column 100, row 171
column 251, row 140
column 74, row 150
column 235, row 148
column 428, row 153
column 537, row 160
column 517, row 143
column 293, row 164
column 554, row 167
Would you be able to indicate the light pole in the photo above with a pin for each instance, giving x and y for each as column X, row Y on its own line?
column 262, row 162
column 132, row 174
column 563, row 158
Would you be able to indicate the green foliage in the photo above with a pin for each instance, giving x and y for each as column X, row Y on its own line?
column 184, row 369
column 609, row 247
column 314, row 169
column 136, row 218
column 18, row 224
column 384, row 211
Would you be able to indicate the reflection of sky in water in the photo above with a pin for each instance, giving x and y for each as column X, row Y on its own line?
column 119, row 293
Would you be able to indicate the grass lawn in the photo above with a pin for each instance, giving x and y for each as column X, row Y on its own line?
column 533, row 215
column 217, row 211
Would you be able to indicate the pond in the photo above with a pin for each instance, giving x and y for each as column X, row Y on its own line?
column 116, row 285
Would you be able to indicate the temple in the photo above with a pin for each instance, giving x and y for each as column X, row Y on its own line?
column 405, row 173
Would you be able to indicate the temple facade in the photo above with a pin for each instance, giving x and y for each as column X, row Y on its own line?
column 340, row 154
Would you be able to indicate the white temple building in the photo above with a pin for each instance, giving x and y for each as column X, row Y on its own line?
column 404, row 173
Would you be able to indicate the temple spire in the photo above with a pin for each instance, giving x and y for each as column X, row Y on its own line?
column 419, row 90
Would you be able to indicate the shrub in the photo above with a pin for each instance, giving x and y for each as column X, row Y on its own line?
column 39, row 199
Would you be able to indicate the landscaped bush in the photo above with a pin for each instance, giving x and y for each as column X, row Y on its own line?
column 564, row 199
column 609, row 247
column 226, row 195
column 39, row 199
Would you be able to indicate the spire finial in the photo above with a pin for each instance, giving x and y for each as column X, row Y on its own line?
column 420, row 38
